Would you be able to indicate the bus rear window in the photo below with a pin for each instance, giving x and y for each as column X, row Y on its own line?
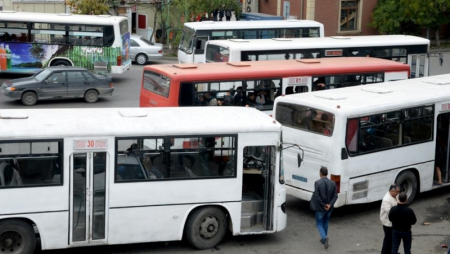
column 156, row 83
column 305, row 118
column 216, row 54
column 123, row 27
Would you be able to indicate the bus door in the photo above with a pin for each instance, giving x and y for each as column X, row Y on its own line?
column 442, row 145
column 88, row 198
column 199, row 49
column 419, row 65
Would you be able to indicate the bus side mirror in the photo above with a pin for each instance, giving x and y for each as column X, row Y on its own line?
column 299, row 160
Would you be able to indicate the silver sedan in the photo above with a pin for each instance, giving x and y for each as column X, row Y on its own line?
column 143, row 50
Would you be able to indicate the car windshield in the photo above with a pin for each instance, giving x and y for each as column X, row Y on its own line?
column 147, row 42
column 42, row 75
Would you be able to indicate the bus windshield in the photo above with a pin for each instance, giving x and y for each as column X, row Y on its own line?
column 305, row 118
column 186, row 40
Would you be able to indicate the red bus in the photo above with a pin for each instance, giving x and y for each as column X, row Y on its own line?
column 257, row 84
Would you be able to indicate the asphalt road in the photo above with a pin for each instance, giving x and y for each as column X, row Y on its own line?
column 353, row 229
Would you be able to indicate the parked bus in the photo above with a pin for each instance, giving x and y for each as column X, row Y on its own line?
column 32, row 41
column 401, row 48
column 257, row 84
column 84, row 177
column 369, row 138
column 196, row 34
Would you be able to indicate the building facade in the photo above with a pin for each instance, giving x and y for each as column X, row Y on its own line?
column 340, row 17
column 46, row 6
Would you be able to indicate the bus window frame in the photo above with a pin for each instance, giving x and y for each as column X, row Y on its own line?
column 401, row 122
column 166, row 151
column 60, row 156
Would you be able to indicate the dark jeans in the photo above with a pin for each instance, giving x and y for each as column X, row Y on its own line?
column 387, row 241
column 397, row 237
column 322, row 219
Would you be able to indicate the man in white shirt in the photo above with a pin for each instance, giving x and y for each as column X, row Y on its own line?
column 389, row 201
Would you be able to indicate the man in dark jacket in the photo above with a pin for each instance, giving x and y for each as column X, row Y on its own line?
column 325, row 195
column 402, row 218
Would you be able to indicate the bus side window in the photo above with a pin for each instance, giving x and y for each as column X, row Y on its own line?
column 187, row 96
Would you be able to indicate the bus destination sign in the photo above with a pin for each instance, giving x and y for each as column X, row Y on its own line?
column 298, row 81
column 334, row 52
column 88, row 144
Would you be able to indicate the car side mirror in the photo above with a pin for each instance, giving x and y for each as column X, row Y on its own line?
column 299, row 160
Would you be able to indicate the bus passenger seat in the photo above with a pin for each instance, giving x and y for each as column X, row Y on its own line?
column 9, row 176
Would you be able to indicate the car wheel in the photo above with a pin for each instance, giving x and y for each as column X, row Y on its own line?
column 61, row 63
column 91, row 96
column 141, row 59
column 29, row 98
column 17, row 237
column 206, row 227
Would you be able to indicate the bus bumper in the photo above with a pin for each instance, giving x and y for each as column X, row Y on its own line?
column 121, row 69
column 306, row 195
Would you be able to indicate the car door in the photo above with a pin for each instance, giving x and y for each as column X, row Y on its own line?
column 76, row 84
column 55, row 85
column 134, row 48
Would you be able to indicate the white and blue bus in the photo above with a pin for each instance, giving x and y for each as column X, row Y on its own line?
column 196, row 34
column 402, row 48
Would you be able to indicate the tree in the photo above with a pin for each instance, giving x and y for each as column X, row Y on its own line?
column 427, row 13
column 408, row 16
column 388, row 18
column 92, row 7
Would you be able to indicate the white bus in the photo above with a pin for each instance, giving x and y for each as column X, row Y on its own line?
column 407, row 49
column 196, row 34
column 32, row 41
column 83, row 177
column 369, row 137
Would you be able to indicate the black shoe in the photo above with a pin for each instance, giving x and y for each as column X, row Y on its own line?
column 326, row 243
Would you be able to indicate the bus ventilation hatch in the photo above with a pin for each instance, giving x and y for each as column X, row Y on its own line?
column 281, row 39
column 132, row 113
column 13, row 115
column 436, row 82
column 308, row 61
column 185, row 66
column 238, row 64
column 376, row 90
column 332, row 97
column 238, row 40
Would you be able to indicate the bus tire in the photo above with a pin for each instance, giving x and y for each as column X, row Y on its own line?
column 141, row 59
column 29, row 98
column 61, row 63
column 408, row 183
column 91, row 96
column 206, row 227
column 17, row 237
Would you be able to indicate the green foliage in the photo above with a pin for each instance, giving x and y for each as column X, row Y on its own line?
column 93, row 7
column 408, row 16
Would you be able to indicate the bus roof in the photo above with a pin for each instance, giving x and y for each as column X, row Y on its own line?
column 321, row 42
column 277, row 68
column 60, row 18
column 212, row 25
column 77, row 122
column 381, row 97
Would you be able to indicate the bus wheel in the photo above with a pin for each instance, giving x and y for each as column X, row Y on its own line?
column 29, row 98
column 141, row 59
column 91, row 96
column 61, row 63
column 206, row 227
column 408, row 184
column 16, row 237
